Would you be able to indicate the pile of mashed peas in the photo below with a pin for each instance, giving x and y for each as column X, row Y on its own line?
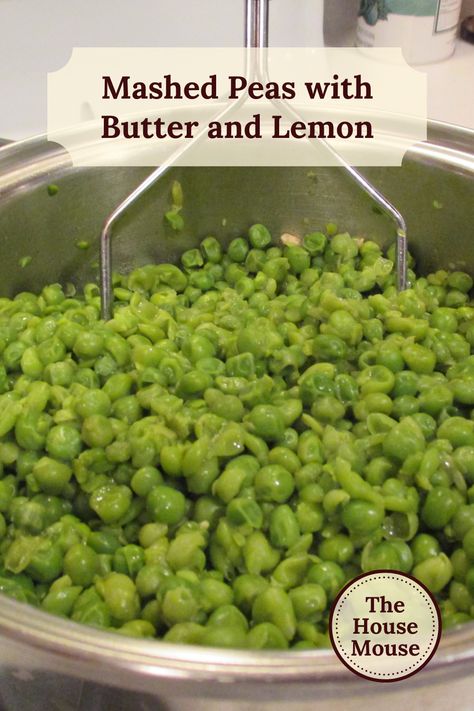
column 249, row 431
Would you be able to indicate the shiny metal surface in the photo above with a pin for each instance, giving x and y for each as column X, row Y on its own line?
column 255, row 38
column 47, row 659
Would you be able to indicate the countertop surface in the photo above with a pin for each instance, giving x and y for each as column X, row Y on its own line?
column 451, row 87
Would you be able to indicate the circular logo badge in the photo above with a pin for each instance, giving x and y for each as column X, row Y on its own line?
column 385, row 625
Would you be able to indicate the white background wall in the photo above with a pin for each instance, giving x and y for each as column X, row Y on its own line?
column 37, row 37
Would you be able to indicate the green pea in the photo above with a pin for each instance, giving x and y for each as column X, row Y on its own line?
column 93, row 402
column 362, row 517
column 461, row 281
column 376, row 379
column 329, row 348
column 61, row 373
column 406, row 383
column 31, row 364
column 118, row 385
column 418, row 358
column 198, row 347
column 329, row 575
column 227, row 636
column 404, row 439
column 309, row 601
column 435, row 572
column 90, row 609
column 258, row 554
column 166, row 505
column 424, row 546
column 381, row 556
column 405, row 405
column 120, row 595
column 285, row 457
column 444, row 319
column 97, row 431
column 439, row 507
column 315, row 242
column 309, row 448
column 459, row 431
column 468, row 543
column 51, row 350
column 63, row 442
column 274, row 483
column 240, row 366
column 338, row 549
column 81, row 564
column 127, row 409
column 129, row 560
column 461, row 564
column 51, row 475
column 274, row 605
column 145, row 479
column 137, row 628
column 238, row 249
column 266, row 636
column 31, row 430
column 211, row 250
column 284, row 527
column 310, row 517
column 192, row 258
column 259, row 236
column 391, row 358
column 61, row 601
column 180, row 605
column 111, row 502
column 88, row 345
column 463, row 391
column 244, row 511
column 103, row 542
column 226, row 406
column 193, row 383
column 46, row 562
column 267, row 422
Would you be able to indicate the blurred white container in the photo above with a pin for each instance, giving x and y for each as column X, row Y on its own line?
column 296, row 23
column 425, row 29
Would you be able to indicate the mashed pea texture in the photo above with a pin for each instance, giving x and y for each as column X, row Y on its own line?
column 251, row 430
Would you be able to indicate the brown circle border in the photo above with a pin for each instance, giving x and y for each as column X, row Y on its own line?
column 366, row 575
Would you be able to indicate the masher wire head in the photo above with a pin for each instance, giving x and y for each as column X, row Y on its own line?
column 256, row 43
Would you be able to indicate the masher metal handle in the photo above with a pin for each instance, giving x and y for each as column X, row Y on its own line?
column 256, row 38
column 257, row 32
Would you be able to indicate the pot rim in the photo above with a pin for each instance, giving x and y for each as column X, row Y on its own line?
column 38, row 155
column 113, row 655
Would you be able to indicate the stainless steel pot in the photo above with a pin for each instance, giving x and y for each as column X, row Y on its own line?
column 50, row 663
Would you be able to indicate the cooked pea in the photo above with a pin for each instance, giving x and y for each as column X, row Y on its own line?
column 329, row 575
column 362, row 517
column 267, row 422
column 81, row 564
column 51, row 475
column 165, row 504
column 249, row 431
column 63, row 442
column 439, row 507
column 338, row 549
column 111, row 502
column 120, row 595
column 259, row 236
column 274, row 483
